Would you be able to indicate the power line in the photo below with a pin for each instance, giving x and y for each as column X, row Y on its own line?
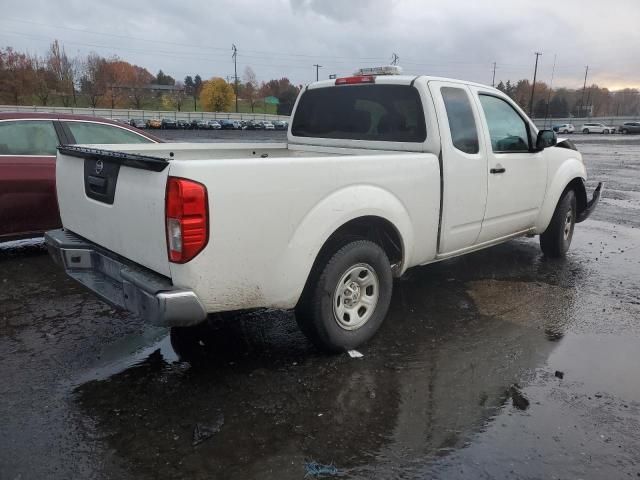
column 533, row 86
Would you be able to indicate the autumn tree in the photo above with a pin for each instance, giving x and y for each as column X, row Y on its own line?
column 138, row 80
column 558, row 106
column 284, row 91
column 64, row 70
column 45, row 81
column 93, row 80
column 17, row 80
column 217, row 95
column 250, row 87
column 175, row 99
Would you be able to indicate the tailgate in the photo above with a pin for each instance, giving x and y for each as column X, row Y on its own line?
column 116, row 200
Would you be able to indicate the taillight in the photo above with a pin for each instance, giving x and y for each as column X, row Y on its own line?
column 187, row 219
column 355, row 80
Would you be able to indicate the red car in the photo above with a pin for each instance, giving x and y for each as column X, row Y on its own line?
column 28, row 141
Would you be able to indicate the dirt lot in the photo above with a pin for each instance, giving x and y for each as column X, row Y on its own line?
column 500, row 364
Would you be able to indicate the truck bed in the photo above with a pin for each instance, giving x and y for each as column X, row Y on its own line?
column 270, row 207
column 227, row 151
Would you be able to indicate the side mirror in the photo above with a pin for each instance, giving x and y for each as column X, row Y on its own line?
column 546, row 138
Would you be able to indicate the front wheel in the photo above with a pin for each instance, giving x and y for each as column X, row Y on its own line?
column 606, row 132
column 624, row 131
column 585, row 130
column 556, row 239
column 565, row 131
column 347, row 297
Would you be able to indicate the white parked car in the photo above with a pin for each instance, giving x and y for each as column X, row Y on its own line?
column 597, row 128
column 379, row 174
column 268, row 126
column 564, row 128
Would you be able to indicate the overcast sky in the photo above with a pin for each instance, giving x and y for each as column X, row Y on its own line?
column 459, row 39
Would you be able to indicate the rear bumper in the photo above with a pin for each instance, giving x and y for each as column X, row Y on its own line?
column 124, row 284
column 591, row 204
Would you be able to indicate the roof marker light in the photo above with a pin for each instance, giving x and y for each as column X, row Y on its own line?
column 359, row 79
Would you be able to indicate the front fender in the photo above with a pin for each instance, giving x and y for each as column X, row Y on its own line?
column 329, row 215
column 569, row 170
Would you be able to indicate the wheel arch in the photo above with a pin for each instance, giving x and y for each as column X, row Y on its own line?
column 375, row 228
column 360, row 211
column 570, row 176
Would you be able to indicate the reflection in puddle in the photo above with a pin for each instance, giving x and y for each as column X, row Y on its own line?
column 423, row 388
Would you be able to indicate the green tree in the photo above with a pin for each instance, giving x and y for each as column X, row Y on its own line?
column 164, row 79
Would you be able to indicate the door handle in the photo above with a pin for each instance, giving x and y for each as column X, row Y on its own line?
column 498, row 170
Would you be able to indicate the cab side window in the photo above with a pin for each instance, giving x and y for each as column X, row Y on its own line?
column 507, row 129
column 464, row 133
column 28, row 137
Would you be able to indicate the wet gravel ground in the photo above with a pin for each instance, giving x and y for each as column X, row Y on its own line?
column 499, row 364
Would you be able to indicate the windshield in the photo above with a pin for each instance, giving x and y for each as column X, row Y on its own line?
column 391, row 113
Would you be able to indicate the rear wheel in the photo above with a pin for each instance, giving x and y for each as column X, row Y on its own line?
column 624, row 131
column 565, row 131
column 556, row 239
column 347, row 297
column 606, row 132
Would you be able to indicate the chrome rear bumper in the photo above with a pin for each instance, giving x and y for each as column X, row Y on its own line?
column 124, row 284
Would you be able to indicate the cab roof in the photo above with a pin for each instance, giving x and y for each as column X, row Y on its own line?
column 402, row 80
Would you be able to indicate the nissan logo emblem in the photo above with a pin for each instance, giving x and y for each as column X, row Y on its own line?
column 99, row 167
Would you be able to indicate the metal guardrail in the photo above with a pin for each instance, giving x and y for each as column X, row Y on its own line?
column 126, row 114
column 578, row 121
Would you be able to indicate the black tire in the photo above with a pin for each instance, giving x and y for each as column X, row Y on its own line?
column 565, row 131
column 585, row 130
column 556, row 239
column 315, row 312
column 606, row 132
column 624, row 131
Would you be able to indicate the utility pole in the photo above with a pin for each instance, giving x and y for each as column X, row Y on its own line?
column 584, row 87
column 533, row 86
column 318, row 67
column 395, row 59
column 493, row 80
column 235, row 71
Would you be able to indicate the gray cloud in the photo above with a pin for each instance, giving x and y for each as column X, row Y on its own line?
column 345, row 10
column 286, row 37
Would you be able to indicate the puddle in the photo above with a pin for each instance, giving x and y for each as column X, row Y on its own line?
column 129, row 351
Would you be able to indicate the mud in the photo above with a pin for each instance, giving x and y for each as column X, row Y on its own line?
column 461, row 381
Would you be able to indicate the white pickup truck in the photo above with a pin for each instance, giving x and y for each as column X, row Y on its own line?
column 380, row 173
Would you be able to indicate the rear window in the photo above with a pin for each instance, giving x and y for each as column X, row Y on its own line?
column 389, row 113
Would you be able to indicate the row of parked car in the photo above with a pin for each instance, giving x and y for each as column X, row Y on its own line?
column 627, row 127
column 171, row 124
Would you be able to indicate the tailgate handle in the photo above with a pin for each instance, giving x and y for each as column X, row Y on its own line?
column 97, row 184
